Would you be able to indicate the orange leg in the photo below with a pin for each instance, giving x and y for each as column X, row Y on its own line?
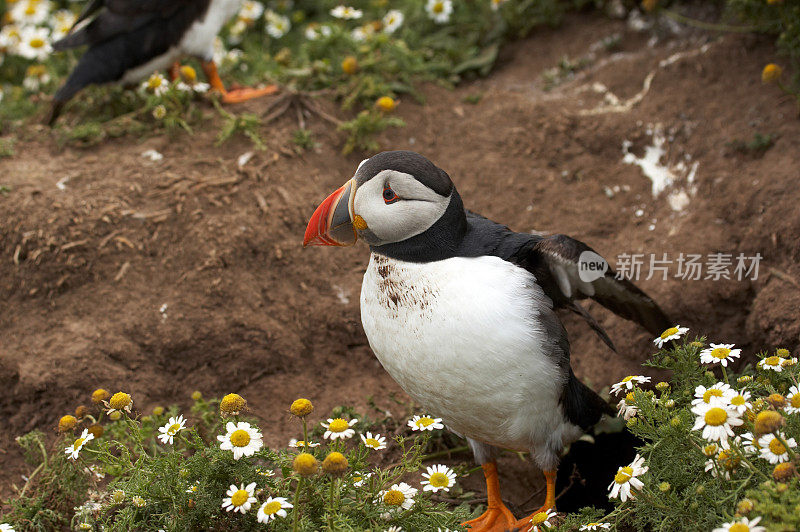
column 175, row 71
column 549, row 501
column 496, row 518
column 235, row 95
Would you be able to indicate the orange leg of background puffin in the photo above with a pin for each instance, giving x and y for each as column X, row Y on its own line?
column 234, row 95
column 498, row 518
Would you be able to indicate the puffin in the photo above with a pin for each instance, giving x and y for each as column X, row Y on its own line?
column 130, row 39
column 461, row 312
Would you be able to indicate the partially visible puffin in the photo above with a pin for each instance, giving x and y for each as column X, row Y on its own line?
column 130, row 39
column 460, row 311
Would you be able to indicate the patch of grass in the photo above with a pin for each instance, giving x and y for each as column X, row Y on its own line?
column 4, row 190
column 303, row 140
column 757, row 146
column 7, row 147
column 245, row 124
column 363, row 128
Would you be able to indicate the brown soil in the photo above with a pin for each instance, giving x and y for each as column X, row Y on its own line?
column 84, row 271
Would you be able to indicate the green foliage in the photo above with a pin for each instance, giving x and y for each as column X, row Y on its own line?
column 6, row 147
column 757, row 146
column 127, row 479
column 363, row 128
column 694, row 480
column 303, row 140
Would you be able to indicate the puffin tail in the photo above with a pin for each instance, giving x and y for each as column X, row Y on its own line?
column 582, row 406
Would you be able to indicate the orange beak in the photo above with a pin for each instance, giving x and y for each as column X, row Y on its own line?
column 332, row 222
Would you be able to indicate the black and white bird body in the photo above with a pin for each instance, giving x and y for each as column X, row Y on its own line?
column 460, row 311
column 130, row 39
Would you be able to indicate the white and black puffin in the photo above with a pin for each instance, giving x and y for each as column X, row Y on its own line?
column 130, row 39
column 460, row 311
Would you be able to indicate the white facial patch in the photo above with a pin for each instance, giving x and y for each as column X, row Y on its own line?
column 418, row 209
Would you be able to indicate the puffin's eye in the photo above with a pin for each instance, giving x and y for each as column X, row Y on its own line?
column 389, row 196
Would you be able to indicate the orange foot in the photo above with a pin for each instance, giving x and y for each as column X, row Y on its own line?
column 246, row 93
column 540, row 515
column 493, row 520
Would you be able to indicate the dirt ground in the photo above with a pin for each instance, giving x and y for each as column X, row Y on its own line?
column 160, row 278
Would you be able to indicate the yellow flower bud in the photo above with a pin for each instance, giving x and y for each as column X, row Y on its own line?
column 100, row 395
column 649, row 5
column 232, row 404
column 744, row 507
column 116, row 415
column 196, row 395
column 121, row 401
column 350, row 65
column 784, row 472
column 335, row 464
column 776, row 400
column 301, row 407
column 771, row 73
column 305, row 465
column 158, row 410
column 66, row 423
column 768, row 421
column 386, row 104
column 96, row 429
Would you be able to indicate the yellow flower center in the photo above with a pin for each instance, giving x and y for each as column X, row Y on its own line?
column 716, row 417
column 240, row 497
column 36, row 70
column 739, row 527
column 30, row 10
column 189, row 73
column 623, row 475
column 120, row 400
column 36, row 42
column 669, row 332
column 720, row 352
column 711, row 392
column 539, row 518
column 394, row 498
column 737, row 400
column 240, row 438
column 729, row 460
column 357, row 478
column 438, row 7
column 424, row 421
column 338, row 425
column 776, row 447
column 630, row 398
column 710, row 449
column 795, row 400
column 154, row 82
column 628, row 378
column 174, row 428
column 78, row 443
column 372, row 442
column 772, row 361
column 439, row 480
column 271, row 508
column 300, row 443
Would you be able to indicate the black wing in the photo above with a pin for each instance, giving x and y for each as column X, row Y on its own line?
column 113, row 17
column 556, row 259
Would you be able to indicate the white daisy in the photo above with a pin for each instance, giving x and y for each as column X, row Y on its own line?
column 739, row 401
column 773, row 450
column 314, row 31
column 30, row 12
column 793, row 400
column 173, row 426
column 277, row 25
column 156, row 84
column 438, row 477
column 627, row 479
column 376, row 442
column 300, row 443
column 339, row 429
column 361, row 33
column 626, row 410
column 273, row 508
column 236, row 31
column 394, row 529
column 61, row 22
column 439, row 10
column 398, row 496
column 673, row 333
column 34, row 43
column 628, row 383
column 239, row 499
column 392, row 21
column 721, row 353
column 5, row 527
column 716, row 420
column 741, row 525
column 346, row 12
column 717, row 394
column 240, row 438
column 775, row 363
column 541, row 520
column 194, row 487
column 35, row 77
column 359, row 478
column 425, row 422
column 10, row 35
column 251, row 10
column 73, row 450
column 595, row 526
column 748, row 443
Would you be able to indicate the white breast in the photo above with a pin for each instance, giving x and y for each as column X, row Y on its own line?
column 463, row 338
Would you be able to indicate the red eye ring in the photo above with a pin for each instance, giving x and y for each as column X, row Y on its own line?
column 389, row 195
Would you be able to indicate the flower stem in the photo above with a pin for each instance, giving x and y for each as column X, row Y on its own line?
column 724, row 374
column 297, row 505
